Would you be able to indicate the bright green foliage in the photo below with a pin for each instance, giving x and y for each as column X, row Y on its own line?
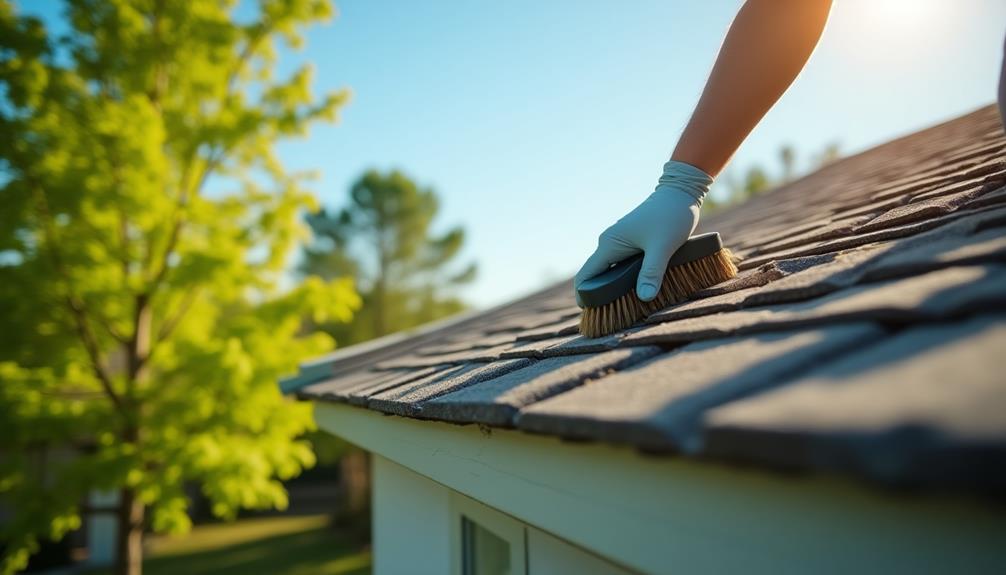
column 144, row 325
column 383, row 238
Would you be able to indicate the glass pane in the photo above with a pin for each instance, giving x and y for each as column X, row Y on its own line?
column 484, row 552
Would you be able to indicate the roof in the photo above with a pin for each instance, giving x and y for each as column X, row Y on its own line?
column 863, row 335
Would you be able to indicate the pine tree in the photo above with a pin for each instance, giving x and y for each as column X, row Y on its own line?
column 383, row 237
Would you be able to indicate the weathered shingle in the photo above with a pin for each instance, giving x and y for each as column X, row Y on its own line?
column 898, row 231
column 836, row 271
column 407, row 399
column 466, row 342
column 336, row 387
column 360, row 395
column 924, row 405
column 933, row 296
column 563, row 327
column 659, row 404
column 496, row 401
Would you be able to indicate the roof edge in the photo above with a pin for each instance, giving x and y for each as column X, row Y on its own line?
column 372, row 352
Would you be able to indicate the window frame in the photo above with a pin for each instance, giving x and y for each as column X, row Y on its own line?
column 511, row 530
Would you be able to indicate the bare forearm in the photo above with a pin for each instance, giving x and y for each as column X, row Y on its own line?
column 767, row 45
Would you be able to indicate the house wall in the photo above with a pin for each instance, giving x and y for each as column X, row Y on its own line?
column 671, row 515
column 416, row 531
column 548, row 554
column 411, row 521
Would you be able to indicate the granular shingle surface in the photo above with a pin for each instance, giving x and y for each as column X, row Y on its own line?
column 863, row 335
column 926, row 400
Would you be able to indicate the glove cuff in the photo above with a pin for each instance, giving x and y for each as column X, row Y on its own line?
column 686, row 178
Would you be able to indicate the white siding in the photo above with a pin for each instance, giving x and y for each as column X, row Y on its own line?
column 548, row 554
column 412, row 531
column 416, row 531
column 671, row 515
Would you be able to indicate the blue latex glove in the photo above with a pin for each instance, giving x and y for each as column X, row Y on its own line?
column 657, row 227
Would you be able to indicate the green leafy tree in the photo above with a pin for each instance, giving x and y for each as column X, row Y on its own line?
column 383, row 237
column 756, row 181
column 144, row 325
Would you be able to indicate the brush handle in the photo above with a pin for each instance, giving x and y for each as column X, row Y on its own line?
column 620, row 278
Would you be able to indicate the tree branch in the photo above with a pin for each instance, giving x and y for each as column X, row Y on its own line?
column 77, row 308
column 122, row 253
column 263, row 30
column 176, row 230
column 160, row 76
column 82, row 394
column 112, row 331
column 213, row 161
column 172, row 322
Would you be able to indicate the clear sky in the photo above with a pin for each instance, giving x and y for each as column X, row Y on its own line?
column 540, row 123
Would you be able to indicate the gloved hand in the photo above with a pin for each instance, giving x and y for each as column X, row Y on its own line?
column 656, row 227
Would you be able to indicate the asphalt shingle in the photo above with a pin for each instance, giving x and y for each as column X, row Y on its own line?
column 496, row 401
column 937, row 295
column 467, row 342
column 923, row 406
column 564, row 327
column 335, row 388
column 407, row 399
column 361, row 394
column 854, row 241
column 658, row 405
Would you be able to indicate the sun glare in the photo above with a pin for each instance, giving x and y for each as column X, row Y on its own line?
column 902, row 14
column 891, row 30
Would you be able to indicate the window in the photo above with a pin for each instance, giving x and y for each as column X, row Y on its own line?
column 482, row 551
column 486, row 542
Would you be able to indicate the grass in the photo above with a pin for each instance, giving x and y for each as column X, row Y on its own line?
column 280, row 545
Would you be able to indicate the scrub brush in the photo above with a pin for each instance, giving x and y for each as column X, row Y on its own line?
column 609, row 298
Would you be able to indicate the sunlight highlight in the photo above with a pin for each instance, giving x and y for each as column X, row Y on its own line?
column 892, row 30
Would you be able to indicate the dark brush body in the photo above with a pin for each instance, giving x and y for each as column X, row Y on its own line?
column 609, row 299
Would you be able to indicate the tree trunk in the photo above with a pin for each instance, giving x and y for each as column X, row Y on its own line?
column 129, row 549
column 381, row 283
column 380, row 308
column 354, row 494
column 129, row 553
column 355, row 468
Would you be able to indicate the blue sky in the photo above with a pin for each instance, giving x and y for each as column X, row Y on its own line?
column 540, row 123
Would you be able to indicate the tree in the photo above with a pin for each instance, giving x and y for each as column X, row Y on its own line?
column 787, row 157
column 383, row 238
column 829, row 154
column 144, row 322
column 757, row 180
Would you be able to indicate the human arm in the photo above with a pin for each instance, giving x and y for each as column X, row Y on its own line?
column 766, row 47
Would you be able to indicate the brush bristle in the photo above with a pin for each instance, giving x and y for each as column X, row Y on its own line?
column 680, row 282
